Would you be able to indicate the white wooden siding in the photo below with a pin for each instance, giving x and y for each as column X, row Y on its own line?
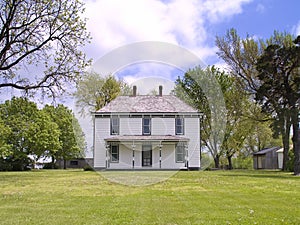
column 102, row 130
column 130, row 126
column 163, row 126
column 125, row 159
column 192, row 131
column 168, row 157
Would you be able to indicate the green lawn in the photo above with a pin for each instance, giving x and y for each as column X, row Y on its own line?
column 217, row 197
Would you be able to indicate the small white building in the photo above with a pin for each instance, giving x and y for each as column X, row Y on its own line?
column 147, row 132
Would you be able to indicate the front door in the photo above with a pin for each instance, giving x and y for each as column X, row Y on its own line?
column 147, row 155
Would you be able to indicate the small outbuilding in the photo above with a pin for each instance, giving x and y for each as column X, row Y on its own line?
column 268, row 158
column 76, row 163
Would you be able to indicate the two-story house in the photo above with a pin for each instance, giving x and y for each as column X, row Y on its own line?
column 147, row 132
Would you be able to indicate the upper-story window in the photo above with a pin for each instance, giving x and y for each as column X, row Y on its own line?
column 114, row 125
column 146, row 126
column 179, row 126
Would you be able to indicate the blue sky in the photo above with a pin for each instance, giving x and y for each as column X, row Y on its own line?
column 189, row 24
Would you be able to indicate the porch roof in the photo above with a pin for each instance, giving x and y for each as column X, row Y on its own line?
column 146, row 138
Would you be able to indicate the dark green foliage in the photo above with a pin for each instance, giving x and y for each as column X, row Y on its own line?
column 279, row 92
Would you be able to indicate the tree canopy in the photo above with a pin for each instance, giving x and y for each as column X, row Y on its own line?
column 279, row 93
column 257, row 65
column 29, row 131
column 45, row 38
column 94, row 91
column 189, row 89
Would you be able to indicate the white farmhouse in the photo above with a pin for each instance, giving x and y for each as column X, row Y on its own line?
column 147, row 132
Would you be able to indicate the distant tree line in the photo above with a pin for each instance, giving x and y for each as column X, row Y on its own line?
column 29, row 134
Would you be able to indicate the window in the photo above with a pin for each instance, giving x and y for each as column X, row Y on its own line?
column 114, row 153
column 114, row 126
column 146, row 126
column 179, row 126
column 180, row 153
column 74, row 163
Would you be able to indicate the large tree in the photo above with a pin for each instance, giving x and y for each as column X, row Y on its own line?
column 238, row 125
column 29, row 132
column 241, row 55
column 40, row 44
column 279, row 72
column 95, row 91
column 190, row 89
column 71, row 136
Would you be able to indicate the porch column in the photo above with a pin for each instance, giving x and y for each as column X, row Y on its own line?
column 186, row 155
column 133, row 148
column 160, row 147
column 107, row 147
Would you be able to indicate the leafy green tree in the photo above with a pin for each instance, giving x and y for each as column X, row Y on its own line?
column 44, row 34
column 71, row 136
column 237, row 126
column 44, row 136
column 94, row 91
column 278, row 68
column 189, row 89
column 31, row 132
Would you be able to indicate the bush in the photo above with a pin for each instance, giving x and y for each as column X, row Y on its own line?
column 242, row 163
column 15, row 164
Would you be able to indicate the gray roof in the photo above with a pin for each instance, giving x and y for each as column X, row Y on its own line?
column 146, row 138
column 147, row 103
column 266, row 150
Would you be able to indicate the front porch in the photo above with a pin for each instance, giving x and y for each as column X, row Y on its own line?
column 139, row 152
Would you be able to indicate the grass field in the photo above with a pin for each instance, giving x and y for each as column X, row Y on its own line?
column 216, row 197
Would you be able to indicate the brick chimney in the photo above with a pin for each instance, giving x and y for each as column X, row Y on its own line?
column 134, row 91
column 160, row 90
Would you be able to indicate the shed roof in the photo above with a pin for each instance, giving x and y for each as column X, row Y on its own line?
column 266, row 150
column 147, row 103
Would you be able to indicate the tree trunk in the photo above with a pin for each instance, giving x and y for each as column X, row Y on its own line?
column 52, row 162
column 286, row 147
column 229, row 158
column 65, row 164
column 217, row 161
column 285, row 132
column 296, row 143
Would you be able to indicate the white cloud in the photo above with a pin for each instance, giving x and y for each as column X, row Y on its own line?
column 260, row 8
column 219, row 10
column 114, row 23
column 296, row 29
